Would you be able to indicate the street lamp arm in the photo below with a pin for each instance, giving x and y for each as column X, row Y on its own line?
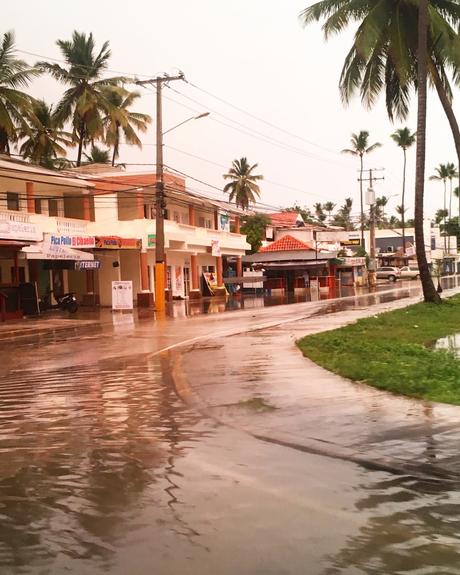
column 203, row 115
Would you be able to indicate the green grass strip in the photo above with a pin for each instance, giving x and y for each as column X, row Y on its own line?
column 394, row 351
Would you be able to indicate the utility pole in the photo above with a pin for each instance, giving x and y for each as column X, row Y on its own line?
column 159, row 193
column 371, row 201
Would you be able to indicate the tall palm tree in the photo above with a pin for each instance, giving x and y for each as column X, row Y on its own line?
column 452, row 173
column 441, row 175
column 329, row 207
column 84, row 103
column 44, row 140
column 122, row 120
column 404, row 139
column 243, row 187
column 15, row 105
column 98, row 156
column 319, row 213
column 359, row 147
column 385, row 56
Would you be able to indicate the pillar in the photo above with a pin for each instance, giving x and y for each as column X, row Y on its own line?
column 216, row 219
column 239, row 266
column 30, row 197
column 140, row 205
column 191, row 216
column 86, row 208
column 220, row 290
column 237, row 225
column 145, row 298
column 195, row 292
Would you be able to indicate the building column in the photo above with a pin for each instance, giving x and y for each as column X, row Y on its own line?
column 239, row 266
column 145, row 298
column 220, row 290
column 195, row 292
column 140, row 205
column 30, row 197
column 191, row 216
column 237, row 225
column 86, row 208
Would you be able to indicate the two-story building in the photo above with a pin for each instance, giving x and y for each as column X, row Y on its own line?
column 79, row 231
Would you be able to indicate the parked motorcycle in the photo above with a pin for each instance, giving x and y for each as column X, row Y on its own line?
column 67, row 302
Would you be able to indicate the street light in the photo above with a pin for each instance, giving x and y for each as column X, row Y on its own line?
column 160, row 204
column 203, row 115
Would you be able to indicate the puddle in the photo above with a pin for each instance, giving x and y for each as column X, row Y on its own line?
column 450, row 343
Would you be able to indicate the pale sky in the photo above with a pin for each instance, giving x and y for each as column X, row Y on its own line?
column 256, row 55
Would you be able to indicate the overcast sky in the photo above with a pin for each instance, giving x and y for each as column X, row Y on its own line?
column 256, row 55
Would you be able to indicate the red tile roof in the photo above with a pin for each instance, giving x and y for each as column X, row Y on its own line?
column 284, row 219
column 286, row 244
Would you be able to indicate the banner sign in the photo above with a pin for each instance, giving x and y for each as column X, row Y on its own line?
column 215, row 248
column 351, row 262
column 350, row 242
column 122, row 295
column 12, row 230
column 117, row 243
column 151, row 240
column 71, row 227
column 71, row 241
column 88, row 265
column 224, row 222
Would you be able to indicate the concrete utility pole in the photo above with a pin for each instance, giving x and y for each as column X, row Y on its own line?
column 371, row 201
column 159, row 193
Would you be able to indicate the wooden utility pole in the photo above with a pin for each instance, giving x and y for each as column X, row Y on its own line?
column 159, row 193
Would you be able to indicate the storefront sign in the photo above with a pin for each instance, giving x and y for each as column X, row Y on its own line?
column 215, row 248
column 122, row 295
column 151, row 240
column 88, row 265
column 71, row 241
column 351, row 262
column 71, row 227
column 350, row 242
column 117, row 243
column 44, row 251
column 17, row 230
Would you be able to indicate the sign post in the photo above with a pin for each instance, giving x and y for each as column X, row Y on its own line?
column 122, row 295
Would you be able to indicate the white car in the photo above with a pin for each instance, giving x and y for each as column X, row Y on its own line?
column 410, row 273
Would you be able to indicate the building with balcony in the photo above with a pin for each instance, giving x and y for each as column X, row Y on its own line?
column 82, row 229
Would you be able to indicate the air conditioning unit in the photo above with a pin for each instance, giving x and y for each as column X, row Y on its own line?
column 390, row 249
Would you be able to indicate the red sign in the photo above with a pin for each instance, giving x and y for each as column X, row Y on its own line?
column 117, row 243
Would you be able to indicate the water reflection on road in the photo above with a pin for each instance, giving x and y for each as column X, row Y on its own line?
column 103, row 469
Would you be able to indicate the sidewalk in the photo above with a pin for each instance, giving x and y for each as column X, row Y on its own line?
column 260, row 382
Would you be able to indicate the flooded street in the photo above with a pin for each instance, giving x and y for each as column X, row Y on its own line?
column 108, row 466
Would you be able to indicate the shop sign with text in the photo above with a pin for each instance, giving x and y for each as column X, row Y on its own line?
column 71, row 241
column 117, row 243
column 88, row 265
column 215, row 248
column 15, row 230
column 151, row 240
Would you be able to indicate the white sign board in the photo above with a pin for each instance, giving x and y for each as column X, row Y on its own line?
column 122, row 295
column 12, row 230
column 215, row 248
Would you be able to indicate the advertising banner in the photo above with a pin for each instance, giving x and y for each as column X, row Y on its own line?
column 224, row 222
column 87, row 265
column 16, row 230
column 70, row 241
column 122, row 295
column 117, row 243
column 215, row 248
column 151, row 240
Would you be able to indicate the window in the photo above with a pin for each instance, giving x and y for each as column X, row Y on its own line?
column 176, row 217
column 12, row 201
column 52, row 208
column 38, row 206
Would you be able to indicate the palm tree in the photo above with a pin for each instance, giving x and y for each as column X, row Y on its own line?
column 123, row 120
column 359, row 147
column 44, row 141
column 243, row 187
column 457, row 195
column 404, row 139
column 328, row 207
column 442, row 174
column 320, row 215
column 15, row 105
column 98, row 156
column 84, row 103
column 386, row 56
column 343, row 217
column 452, row 173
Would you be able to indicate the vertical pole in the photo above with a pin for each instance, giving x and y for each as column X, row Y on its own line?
column 219, row 270
column 86, row 208
column 159, row 201
column 372, row 264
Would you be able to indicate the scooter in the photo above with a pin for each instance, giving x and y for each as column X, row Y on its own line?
column 67, row 302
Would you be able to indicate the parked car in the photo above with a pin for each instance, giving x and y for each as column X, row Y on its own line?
column 388, row 273
column 410, row 273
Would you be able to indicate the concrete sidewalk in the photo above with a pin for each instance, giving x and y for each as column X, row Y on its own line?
column 260, row 382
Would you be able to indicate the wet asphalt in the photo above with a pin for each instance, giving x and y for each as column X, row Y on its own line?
column 206, row 443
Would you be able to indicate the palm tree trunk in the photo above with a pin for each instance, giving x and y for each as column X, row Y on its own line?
column 361, row 198
column 445, row 216
column 116, row 145
column 403, row 223
column 114, row 155
column 81, row 135
column 429, row 291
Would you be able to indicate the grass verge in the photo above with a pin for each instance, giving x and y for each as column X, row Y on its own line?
column 394, row 351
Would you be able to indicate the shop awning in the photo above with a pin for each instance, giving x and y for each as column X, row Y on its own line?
column 51, row 252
